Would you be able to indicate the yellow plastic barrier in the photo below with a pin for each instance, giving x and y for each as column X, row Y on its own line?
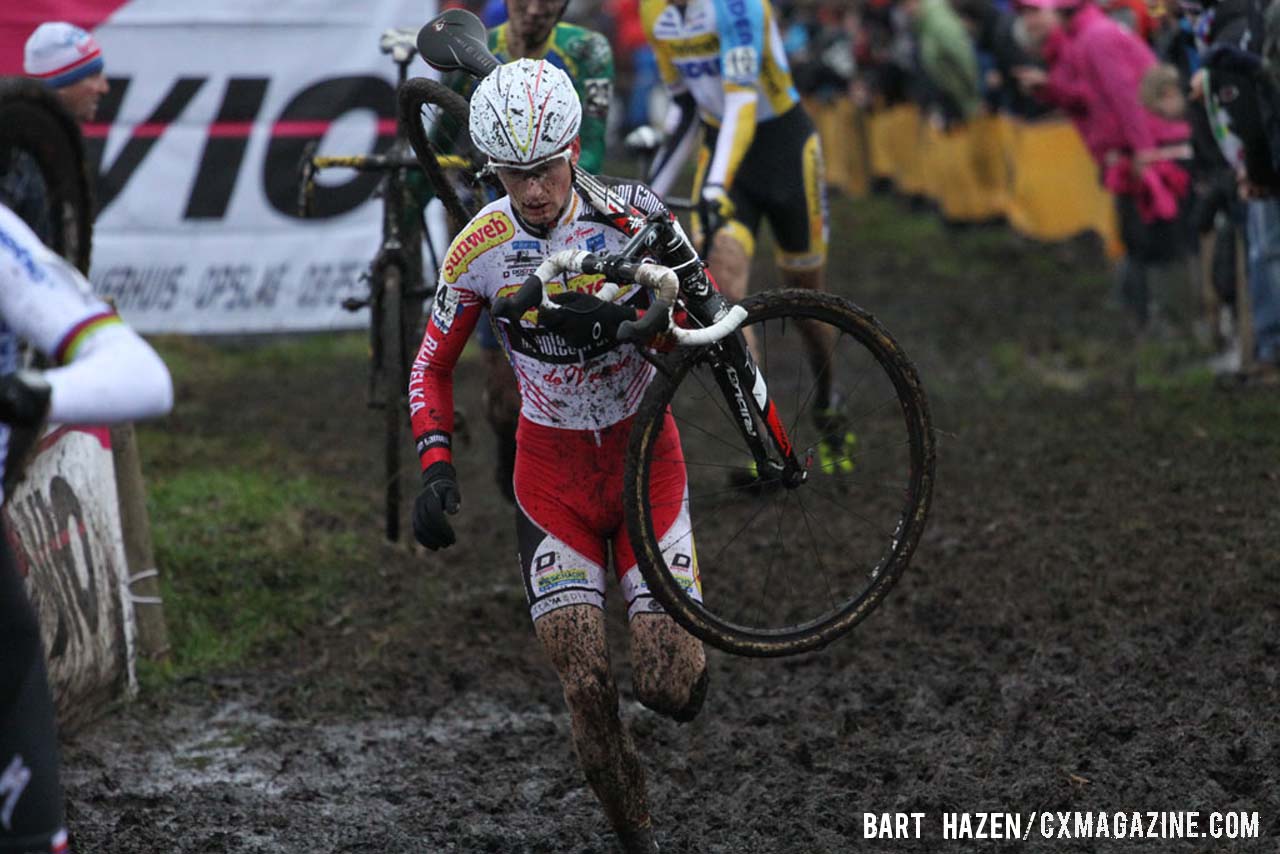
column 1056, row 192
column 908, row 147
column 977, row 184
column 1037, row 175
column 842, row 129
column 879, row 143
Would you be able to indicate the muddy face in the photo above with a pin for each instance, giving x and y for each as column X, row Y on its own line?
column 540, row 194
column 530, row 22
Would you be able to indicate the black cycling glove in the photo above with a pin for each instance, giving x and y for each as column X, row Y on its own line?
column 24, row 398
column 584, row 320
column 439, row 495
column 715, row 209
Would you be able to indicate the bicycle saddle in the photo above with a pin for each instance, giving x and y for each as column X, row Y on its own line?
column 456, row 40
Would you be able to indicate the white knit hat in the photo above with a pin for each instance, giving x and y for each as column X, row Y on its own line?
column 61, row 54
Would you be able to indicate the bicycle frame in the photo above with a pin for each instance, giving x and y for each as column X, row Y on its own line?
column 395, row 279
column 393, row 165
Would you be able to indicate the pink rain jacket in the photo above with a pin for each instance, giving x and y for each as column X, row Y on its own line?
column 1095, row 67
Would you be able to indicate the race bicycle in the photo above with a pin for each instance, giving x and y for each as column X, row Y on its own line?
column 397, row 286
column 808, row 492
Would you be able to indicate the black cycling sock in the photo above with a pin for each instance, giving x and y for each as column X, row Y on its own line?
column 504, row 472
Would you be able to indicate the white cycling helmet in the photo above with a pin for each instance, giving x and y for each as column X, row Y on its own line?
column 525, row 112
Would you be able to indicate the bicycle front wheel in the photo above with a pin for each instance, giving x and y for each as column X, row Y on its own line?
column 788, row 568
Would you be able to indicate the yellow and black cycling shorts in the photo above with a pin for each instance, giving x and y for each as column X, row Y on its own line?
column 781, row 179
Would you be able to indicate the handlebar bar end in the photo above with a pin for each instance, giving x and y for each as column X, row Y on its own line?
column 657, row 319
column 512, row 307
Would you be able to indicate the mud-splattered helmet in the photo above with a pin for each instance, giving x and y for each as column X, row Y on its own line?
column 524, row 113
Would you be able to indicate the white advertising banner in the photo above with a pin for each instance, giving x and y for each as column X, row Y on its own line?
column 197, row 147
column 63, row 524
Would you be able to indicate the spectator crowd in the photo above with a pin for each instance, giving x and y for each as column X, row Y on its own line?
column 1176, row 102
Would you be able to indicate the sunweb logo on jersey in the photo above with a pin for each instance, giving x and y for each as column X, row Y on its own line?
column 489, row 231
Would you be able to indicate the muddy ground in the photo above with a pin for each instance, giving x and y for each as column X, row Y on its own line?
column 1090, row 623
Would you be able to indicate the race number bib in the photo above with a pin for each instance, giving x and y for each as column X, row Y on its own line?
column 597, row 94
column 742, row 64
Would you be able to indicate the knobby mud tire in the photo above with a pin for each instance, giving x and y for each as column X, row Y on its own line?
column 415, row 94
column 32, row 119
column 696, row 617
column 394, row 380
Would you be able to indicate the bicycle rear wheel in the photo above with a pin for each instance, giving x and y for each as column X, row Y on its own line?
column 788, row 570
column 435, row 120
column 40, row 140
column 391, row 358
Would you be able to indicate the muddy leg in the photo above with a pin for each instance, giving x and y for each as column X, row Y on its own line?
column 669, row 666
column 730, row 265
column 819, row 339
column 574, row 640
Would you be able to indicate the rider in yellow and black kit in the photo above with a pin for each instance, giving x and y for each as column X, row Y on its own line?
column 724, row 65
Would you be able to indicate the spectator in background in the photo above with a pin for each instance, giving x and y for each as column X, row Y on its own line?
column 820, row 51
column 1243, row 105
column 947, row 58
column 999, row 52
column 1161, row 92
column 67, row 60
column 1095, row 69
column 884, row 66
column 1133, row 15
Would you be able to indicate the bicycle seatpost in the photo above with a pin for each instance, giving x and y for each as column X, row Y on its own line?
column 401, row 44
column 307, row 178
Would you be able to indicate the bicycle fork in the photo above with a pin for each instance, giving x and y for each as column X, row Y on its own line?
column 743, row 385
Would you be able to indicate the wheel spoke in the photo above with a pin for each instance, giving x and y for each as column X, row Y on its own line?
column 804, row 514
column 704, row 431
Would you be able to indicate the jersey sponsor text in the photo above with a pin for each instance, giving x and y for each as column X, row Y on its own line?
column 490, row 230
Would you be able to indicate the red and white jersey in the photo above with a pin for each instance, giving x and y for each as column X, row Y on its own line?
column 560, row 386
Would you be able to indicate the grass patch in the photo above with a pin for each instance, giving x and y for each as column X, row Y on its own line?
column 214, row 359
column 253, row 546
column 250, row 557
column 1172, row 366
column 1243, row 418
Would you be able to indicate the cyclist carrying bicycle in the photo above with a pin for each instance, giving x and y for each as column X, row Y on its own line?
column 104, row 372
column 724, row 65
column 534, row 31
column 579, row 391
